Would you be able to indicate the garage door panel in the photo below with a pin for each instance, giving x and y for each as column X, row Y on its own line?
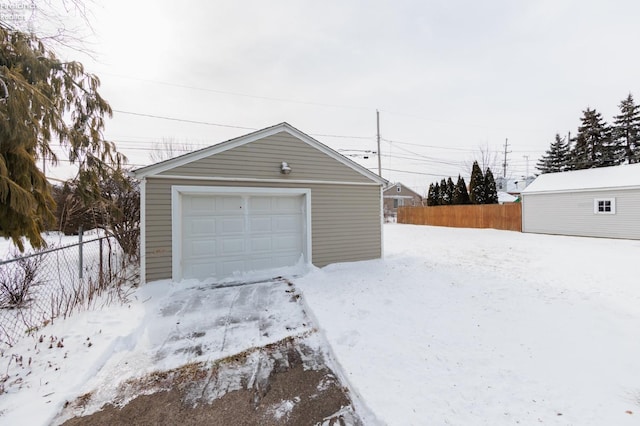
column 286, row 242
column 231, row 225
column 260, row 263
column 199, row 269
column 287, row 223
column 229, row 204
column 200, row 227
column 285, row 260
column 286, row 204
column 228, row 267
column 260, row 204
column 200, row 204
column 200, row 248
column 261, row 244
column 231, row 246
column 260, row 224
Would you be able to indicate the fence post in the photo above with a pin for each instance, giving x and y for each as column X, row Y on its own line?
column 80, row 252
column 101, row 279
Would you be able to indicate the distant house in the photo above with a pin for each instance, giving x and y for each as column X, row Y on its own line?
column 398, row 195
column 600, row 202
column 513, row 186
column 505, row 197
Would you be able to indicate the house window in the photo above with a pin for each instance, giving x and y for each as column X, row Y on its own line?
column 604, row 206
column 397, row 202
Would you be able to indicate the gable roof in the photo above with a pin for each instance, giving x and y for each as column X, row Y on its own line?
column 614, row 177
column 181, row 160
column 505, row 197
column 403, row 186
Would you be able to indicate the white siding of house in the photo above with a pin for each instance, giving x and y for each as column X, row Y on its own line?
column 572, row 213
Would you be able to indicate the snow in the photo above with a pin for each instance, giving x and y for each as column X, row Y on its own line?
column 165, row 326
column 467, row 326
column 505, row 197
column 623, row 176
column 53, row 239
column 454, row 326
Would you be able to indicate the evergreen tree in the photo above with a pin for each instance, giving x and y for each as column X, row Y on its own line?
column 490, row 191
column 450, row 189
column 556, row 159
column 593, row 143
column 437, row 195
column 432, row 199
column 458, row 196
column 626, row 130
column 460, row 193
column 476, row 185
column 445, row 195
column 42, row 100
column 455, row 194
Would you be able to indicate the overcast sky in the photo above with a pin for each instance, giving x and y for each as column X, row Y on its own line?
column 448, row 77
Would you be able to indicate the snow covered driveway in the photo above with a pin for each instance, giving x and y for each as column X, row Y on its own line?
column 167, row 326
column 479, row 326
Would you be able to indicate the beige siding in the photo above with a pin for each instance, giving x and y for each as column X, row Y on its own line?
column 345, row 221
column 572, row 214
column 261, row 159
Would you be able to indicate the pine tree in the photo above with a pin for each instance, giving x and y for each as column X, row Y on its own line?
column 626, row 130
column 460, row 193
column 450, row 189
column 431, row 195
column 445, row 195
column 556, row 159
column 464, row 197
column 593, row 143
column 42, row 100
column 476, row 185
column 437, row 195
column 490, row 191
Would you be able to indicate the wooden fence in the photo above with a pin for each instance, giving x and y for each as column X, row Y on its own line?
column 497, row 216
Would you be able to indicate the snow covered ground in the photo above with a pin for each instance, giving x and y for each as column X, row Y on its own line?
column 479, row 326
column 166, row 326
column 454, row 326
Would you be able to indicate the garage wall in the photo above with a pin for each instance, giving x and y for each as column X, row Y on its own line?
column 345, row 221
column 261, row 159
column 572, row 214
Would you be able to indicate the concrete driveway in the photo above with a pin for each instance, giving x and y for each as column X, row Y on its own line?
column 245, row 353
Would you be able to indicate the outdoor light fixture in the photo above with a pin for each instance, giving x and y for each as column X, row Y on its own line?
column 285, row 169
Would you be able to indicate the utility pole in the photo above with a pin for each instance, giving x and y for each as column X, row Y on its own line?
column 504, row 165
column 526, row 157
column 378, row 138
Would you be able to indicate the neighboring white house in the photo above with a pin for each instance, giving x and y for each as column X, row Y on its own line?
column 600, row 202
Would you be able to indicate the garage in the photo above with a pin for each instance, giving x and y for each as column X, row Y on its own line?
column 224, row 232
column 268, row 203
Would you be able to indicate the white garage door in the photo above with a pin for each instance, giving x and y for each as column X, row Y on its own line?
column 226, row 233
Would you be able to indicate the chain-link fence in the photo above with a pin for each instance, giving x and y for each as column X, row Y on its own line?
column 52, row 283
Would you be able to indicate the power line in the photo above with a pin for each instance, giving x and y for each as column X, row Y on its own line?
column 408, row 172
column 183, row 120
column 245, row 95
column 427, row 146
column 208, row 123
